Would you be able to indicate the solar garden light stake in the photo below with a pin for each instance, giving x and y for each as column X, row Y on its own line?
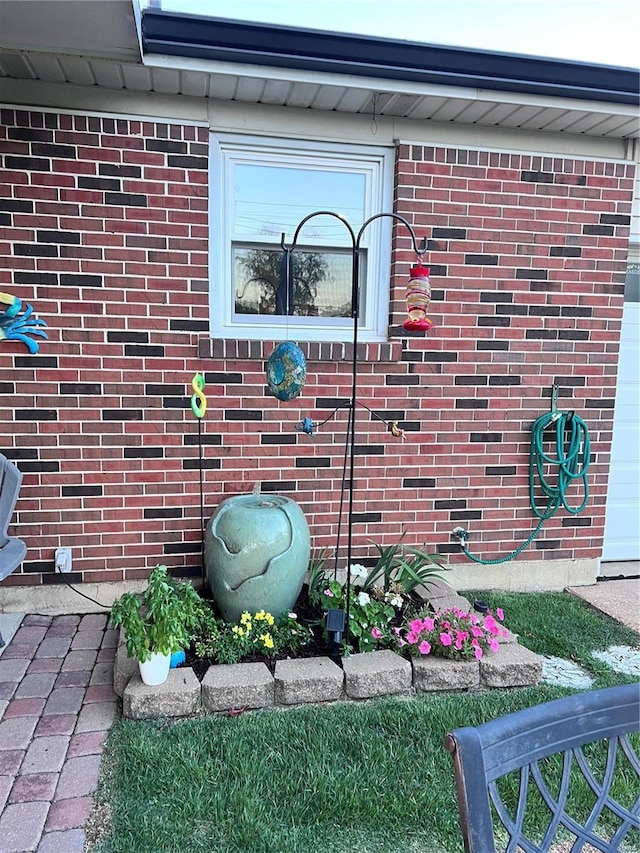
column 335, row 622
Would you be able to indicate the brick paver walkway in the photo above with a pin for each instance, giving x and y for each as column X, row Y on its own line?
column 56, row 707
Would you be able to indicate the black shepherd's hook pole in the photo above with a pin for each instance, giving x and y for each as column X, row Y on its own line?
column 355, row 311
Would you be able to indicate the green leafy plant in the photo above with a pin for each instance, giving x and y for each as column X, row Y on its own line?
column 402, row 566
column 254, row 634
column 161, row 618
column 369, row 616
column 317, row 573
column 377, row 595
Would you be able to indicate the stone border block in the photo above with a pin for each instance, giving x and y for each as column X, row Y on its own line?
column 509, row 638
column 512, row 666
column 241, row 685
column 124, row 668
column 308, row 680
column 376, row 674
column 448, row 602
column 433, row 673
column 179, row 696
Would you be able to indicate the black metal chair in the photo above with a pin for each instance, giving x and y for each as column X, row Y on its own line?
column 12, row 549
column 524, row 741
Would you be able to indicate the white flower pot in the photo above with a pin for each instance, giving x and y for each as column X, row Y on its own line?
column 156, row 670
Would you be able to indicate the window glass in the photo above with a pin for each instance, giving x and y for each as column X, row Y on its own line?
column 262, row 189
column 271, row 200
column 321, row 283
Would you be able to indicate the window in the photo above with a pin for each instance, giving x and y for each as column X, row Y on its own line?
column 263, row 188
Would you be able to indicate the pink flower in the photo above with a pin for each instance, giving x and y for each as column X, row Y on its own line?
column 494, row 645
column 477, row 652
column 401, row 642
column 428, row 624
column 328, row 593
column 415, row 626
column 396, row 631
column 477, row 632
column 412, row 638
column 445, row 639
column 376, row 633
column 490, row 624
column 500, row 613
column 424, row 648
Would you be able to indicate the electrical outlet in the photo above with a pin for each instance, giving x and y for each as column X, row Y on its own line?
column 63, row 560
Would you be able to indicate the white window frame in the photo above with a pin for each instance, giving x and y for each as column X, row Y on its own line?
column 376, row 163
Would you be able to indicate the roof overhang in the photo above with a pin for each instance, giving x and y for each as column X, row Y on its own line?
column 66, row 27
column 223, row 40
column 111, row 46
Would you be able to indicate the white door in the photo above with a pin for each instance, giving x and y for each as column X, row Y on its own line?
column 622, row 521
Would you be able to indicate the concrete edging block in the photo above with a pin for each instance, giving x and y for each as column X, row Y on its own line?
column 308, row 680
column 513, row 666
column 179, row 696
column 432, row 674
column 314, row 680
column 124, row 668
column 370, row 674
column 240, row 685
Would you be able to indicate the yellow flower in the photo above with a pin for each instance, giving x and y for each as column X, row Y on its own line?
column 269, row 618
column 267, row 640
column 260, row 615
column 237, row 630
column 246, row 617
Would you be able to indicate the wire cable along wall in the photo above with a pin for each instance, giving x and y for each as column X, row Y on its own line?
column 356, row 241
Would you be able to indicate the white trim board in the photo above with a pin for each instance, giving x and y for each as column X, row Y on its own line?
column 291, row 122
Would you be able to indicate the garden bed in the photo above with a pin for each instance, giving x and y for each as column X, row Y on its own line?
column 233, row 688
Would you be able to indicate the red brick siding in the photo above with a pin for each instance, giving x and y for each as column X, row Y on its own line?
column 529, row 256
column 105, row 231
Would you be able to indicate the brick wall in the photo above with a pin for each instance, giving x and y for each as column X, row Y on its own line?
column 105, row 231
column 528, row 258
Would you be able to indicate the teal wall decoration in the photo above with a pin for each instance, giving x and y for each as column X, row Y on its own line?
column 286, row 371
column 16, row 328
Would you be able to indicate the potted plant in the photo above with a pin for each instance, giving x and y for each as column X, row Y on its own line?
column 157, row 622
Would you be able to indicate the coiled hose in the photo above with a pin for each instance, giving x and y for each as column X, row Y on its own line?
column 571, row 462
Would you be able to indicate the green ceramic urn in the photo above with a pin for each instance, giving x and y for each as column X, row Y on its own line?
column 256, row 554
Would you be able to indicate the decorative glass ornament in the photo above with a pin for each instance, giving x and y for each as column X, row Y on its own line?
column 286, row 371
column 418, row 298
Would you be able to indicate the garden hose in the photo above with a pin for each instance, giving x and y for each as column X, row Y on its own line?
column 573, row 456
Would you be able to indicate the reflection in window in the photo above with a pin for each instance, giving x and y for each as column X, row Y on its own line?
column 318, row 284
column 271, row 201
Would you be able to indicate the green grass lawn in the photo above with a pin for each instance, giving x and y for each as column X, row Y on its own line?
column 373, row 776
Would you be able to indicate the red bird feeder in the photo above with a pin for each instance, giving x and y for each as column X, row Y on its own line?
column 418, row 298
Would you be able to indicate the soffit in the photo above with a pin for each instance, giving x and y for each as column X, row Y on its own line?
column 97, row 29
